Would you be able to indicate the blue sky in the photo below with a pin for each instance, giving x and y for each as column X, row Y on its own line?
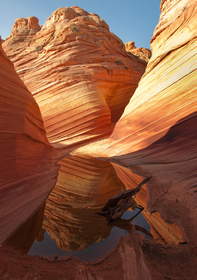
column 131, row 20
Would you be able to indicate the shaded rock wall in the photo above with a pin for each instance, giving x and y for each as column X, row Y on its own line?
column 27, row 168
column 24, row 236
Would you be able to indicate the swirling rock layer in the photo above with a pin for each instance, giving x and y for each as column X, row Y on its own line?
column 156, row 134
column 82, row 78
column 78, row 71
column 27, row 169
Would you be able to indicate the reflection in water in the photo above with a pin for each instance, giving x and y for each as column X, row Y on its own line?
column 71, row 225
column 96, row 249
column 84, row 185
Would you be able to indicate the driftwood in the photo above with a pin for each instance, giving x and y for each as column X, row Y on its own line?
column 117, row 205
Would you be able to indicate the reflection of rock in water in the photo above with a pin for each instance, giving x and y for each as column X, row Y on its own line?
column 84, row 185
column 70, row 215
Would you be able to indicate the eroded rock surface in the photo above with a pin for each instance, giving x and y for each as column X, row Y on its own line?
column 142, row 53
column 162, row 231
column 71, row 67
column 27, row 169
column 156, row 134
column 77, row 70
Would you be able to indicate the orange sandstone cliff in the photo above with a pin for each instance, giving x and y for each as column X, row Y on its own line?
column 82, row 78
column 156, row 135
column 77, row 70
column 71, row 58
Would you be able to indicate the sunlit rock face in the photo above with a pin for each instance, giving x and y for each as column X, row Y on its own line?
column 77, row 70
column 156, row 134
column 24, row 27
column 142, row 53
column 27, row 170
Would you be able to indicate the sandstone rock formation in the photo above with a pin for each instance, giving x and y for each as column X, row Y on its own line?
column 23, row 28
column 165, row 103
column 70, row 65
column 27, row 168
column 156, row 134
column 26, row 233
column 77, row 70
column 142, row 53
column 162, row 231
